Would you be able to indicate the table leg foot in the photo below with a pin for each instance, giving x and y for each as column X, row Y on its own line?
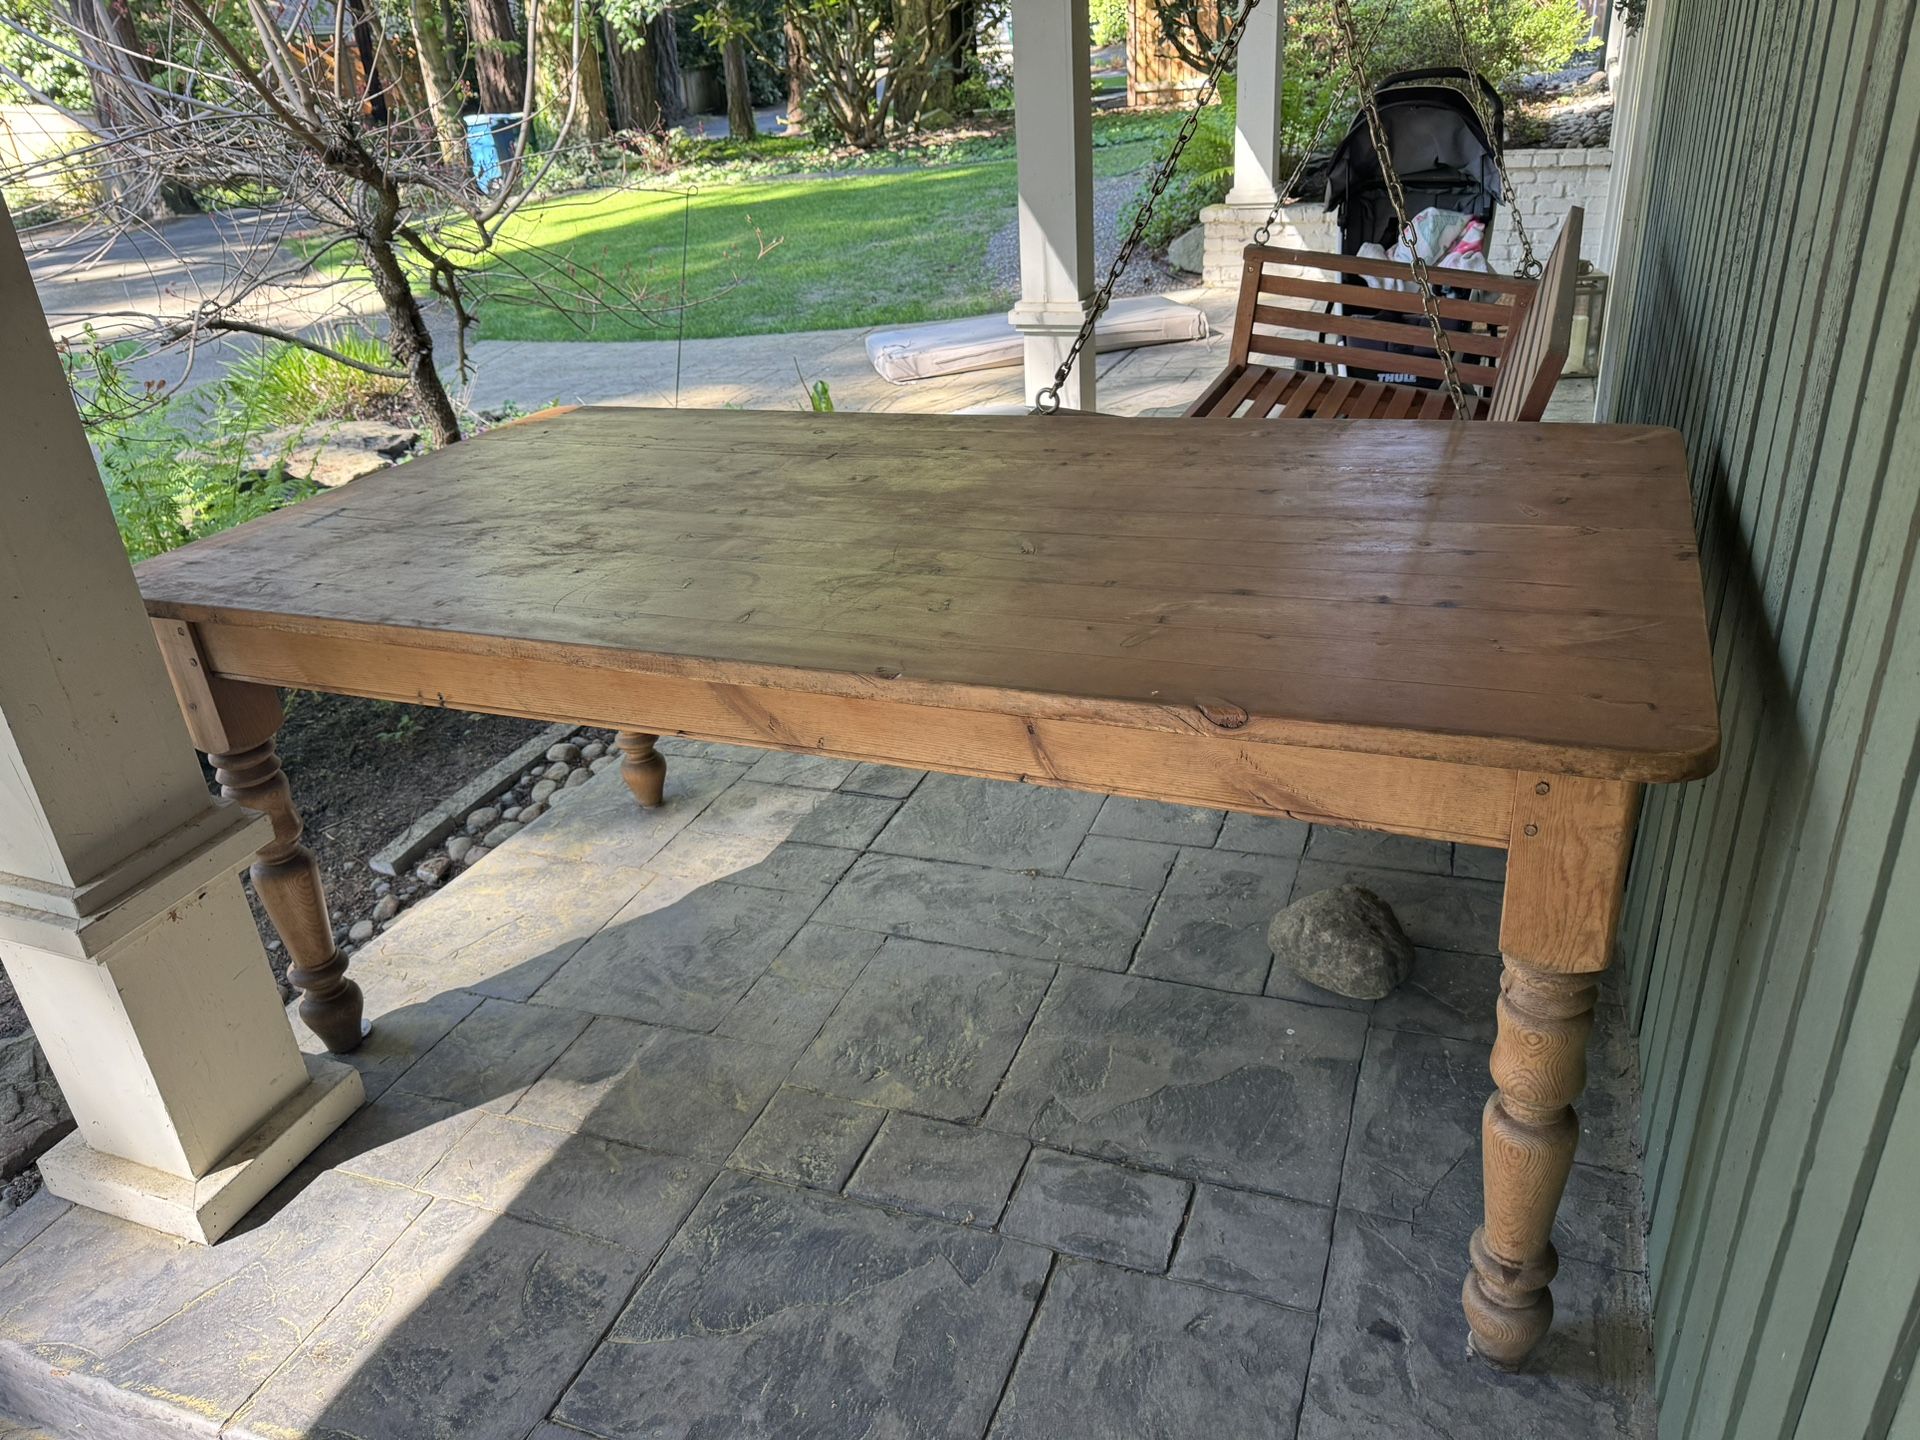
column 1528, row 1134
column 287, row 879
column 642, row 767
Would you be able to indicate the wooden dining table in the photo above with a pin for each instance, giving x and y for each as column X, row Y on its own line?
column 1483, row 633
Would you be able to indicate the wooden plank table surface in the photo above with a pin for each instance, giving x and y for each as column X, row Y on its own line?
column 1484, row 633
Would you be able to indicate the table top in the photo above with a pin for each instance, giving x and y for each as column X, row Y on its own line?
column 1514, row 595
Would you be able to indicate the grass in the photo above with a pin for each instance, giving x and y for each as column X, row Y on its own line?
column 857, row 246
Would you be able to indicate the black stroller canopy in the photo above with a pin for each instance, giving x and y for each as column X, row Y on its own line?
column 1439, row 149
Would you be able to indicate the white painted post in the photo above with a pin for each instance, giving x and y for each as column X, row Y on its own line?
column 122, row 924
column 1053, row 135
column 1256, row 137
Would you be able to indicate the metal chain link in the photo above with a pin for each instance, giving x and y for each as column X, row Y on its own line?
column 1529, row 265
column 1225, row 47
column 1429, row 302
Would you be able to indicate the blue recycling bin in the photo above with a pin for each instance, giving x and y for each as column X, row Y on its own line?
column 492, row 141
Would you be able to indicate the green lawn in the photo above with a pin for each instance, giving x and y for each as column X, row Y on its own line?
column 863, row 248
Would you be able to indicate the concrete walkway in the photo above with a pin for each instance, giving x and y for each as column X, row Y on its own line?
column 833, row 1100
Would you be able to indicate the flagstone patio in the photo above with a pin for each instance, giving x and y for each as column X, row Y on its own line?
column 834, row 1100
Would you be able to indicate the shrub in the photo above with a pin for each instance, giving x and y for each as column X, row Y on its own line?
column 1109, row 21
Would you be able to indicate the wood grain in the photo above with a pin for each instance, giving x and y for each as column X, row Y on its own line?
column 1514, row 596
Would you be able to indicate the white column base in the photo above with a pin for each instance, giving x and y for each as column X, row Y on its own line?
column 204, row 1209
column 1050, row 328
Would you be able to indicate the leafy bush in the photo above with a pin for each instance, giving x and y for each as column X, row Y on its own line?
column 1109, row 20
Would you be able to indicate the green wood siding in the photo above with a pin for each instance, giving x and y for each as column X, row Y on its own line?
column 1773, row 932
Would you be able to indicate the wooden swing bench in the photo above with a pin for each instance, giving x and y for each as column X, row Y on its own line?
column 1508, row 356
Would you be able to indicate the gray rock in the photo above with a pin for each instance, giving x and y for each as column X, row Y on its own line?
column 543, row 791
column 332, row 454
column 530, row 813
column 593, row 750
column 33, row 1113
column 459, row 847
column 510, row 812
column 1188, row 251
column 502, row 833
column 563, row 751
column 1345, row 940
column 558, row 771
column 388, row 907
column 435, row 868
column 485, row 818
column 577, row 779
column 360, row 931
column 478, row 853
column 603, row 762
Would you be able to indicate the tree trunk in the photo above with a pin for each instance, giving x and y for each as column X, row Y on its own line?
column 554, row 60
column 636, row 89
column 443, row 96
column 798, row 80
column 104, row 35
column 663, row 45
column 408, row 338
column 739, row 90
column 499, row 58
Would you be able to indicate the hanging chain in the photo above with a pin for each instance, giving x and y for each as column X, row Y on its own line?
column 1429, row 302
column 1529, row 264
column 1224, row 48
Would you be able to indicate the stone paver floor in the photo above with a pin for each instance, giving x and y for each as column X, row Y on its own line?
column 833, row 1100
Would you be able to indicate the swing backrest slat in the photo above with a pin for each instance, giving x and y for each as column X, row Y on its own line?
column 1537, row 346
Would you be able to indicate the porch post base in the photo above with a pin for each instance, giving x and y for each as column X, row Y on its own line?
column 204, row 1208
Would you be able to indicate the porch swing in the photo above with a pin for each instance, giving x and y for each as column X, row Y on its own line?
column 1344, row 328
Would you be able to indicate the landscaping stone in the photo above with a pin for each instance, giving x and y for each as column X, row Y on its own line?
column 593, row 750
column 1261, row 1245
column 360, row 931
column 542, row 791
column 1441, row 912
column 763, row 1317
column 333, row 453
column 1097, row 1211
column 458, row 847
column 1345, row 940
column 1207, row 928
column 952, row 1172
column 435, row 868
column 1116, row 1353
column 530, row 813
column 604, row 762
column 564, row 751
column 485, row 818
column 1188, row 250
column 927, row 1028
column 577, row 778
column 978, row 822
column 808, row 1138
column 1194, row 1082
column 501, row 833
column 33, row 1113
column 386, row 909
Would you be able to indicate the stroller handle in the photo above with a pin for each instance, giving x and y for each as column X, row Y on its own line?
column 1454, row 72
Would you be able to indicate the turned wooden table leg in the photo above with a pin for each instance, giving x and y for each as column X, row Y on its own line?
column 641, row 766
column 1528, row 1133
column 234, row 723
column 1566, row 863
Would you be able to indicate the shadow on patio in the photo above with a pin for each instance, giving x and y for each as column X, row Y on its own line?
column 838, row 1100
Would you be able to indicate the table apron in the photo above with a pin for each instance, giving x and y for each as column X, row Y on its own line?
column 1433, row 799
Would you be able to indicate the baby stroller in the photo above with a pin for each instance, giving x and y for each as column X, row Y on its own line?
column 1445, row 160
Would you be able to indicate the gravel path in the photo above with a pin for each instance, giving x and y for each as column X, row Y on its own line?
column 1111, row 196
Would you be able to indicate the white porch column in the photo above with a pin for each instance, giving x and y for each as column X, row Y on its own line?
column 1053, row 135
column 122, row 924
column 1256, row 136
